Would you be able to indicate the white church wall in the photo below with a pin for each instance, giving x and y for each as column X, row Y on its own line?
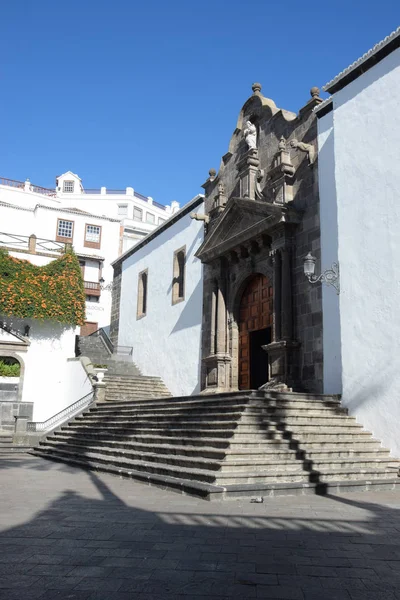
column 329, row 254
column 167, row 340
column 367, row 158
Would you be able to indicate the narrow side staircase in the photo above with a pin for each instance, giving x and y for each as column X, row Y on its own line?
column 229, row 445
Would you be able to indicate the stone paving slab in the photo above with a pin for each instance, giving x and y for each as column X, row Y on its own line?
column 78, row 535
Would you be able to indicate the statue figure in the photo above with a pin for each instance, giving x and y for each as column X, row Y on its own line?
column 309, row 148
column 250, row 135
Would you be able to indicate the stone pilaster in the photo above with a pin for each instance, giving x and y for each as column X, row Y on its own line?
column 248, row 170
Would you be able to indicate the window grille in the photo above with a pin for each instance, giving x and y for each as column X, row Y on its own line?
column 93, row 233
column 68, row 187
column 65, row 228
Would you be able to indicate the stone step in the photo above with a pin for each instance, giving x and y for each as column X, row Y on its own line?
column 166, row 405
column 347, row 453
column 268, row 453
column 150, row 418
column 195, row 488
column 213, row 442
column 166, row 432
column 13, row 449
column 137, row 423
column 155, row 412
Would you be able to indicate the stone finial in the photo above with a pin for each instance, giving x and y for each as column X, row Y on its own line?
column 314, row 92
column 212, row 173
column 256, row 87
column 282, row 144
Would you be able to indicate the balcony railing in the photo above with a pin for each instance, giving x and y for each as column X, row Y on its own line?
column 92, row 288
column 26, row 185
column 12, row 183
column 31, row 243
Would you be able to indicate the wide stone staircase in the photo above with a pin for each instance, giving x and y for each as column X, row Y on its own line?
column 127, row 387
column 229, row 445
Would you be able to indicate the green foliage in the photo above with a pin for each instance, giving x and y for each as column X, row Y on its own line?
column 54, row 291
column 9, row 369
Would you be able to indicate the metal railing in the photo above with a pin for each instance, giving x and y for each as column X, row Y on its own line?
column 12, row 183
column 31, row 243
column 103, row 335
column 64, row 415
column 23, row 184
column 44, row 191
column 127, row 350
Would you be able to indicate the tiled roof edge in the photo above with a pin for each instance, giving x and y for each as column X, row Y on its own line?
column 365, row 62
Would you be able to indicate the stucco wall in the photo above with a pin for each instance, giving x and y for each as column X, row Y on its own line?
column 49, row 381
column 166, row 342
column 367, row 159
column 332, row 366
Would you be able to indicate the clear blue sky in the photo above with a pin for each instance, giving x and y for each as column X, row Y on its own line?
column 146, row 93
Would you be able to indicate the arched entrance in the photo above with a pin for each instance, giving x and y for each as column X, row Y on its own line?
column 255, row 328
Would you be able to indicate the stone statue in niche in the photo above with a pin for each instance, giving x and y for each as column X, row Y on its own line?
column 250, row 135
column 309, row 148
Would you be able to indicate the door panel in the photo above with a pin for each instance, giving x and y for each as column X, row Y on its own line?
column 255, row 314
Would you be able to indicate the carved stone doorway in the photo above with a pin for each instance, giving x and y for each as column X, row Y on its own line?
column 255, row 326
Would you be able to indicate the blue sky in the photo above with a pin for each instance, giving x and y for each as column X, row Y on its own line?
column 146, row 94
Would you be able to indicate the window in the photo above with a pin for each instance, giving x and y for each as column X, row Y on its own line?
column 137, row 214
column 142, row 295
column 92, row 298
column 68, row 187
column 160, row 220
column 92, row 236
column 150, row 218
column 65, row 230
column 178, row 281
column 123, row 210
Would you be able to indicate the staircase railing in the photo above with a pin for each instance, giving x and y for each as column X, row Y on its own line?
column 62, row 416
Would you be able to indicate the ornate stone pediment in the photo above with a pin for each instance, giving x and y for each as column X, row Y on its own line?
column 242, row 221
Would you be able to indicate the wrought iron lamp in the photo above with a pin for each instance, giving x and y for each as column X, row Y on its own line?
column 108, row 287
column 329, row 276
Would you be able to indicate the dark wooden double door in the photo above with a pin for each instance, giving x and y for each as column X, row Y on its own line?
column 255, row 327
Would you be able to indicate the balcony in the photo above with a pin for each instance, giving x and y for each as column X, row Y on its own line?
column 92, row 288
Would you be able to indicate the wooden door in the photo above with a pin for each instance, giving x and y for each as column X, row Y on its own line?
column 255, row 313
column 89, row 327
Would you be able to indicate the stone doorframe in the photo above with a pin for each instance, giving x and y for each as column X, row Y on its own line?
column 6, row 352
column 220, row 363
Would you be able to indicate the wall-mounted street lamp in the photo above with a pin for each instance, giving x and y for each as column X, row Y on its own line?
column 108, row 287
column 330, row 276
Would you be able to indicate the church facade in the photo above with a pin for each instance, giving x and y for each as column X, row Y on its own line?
column 262, row 320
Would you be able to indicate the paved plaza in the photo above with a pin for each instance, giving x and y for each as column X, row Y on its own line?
column 73, row 534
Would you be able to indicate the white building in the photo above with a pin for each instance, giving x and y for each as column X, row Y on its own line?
column 159, row 296
column 359, row 181
column 139, row 215
column 38, row 232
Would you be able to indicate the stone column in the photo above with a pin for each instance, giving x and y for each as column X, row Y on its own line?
column 277, row 291
column 213, row 317
column 287, row 328
column 221, row 322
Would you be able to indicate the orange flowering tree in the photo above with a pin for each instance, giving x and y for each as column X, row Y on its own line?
column 54, row 291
